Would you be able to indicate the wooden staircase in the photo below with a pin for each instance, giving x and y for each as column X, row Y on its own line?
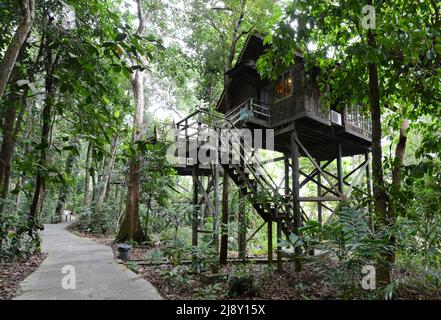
column 249, row 175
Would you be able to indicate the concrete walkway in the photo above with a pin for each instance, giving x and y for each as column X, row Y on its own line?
column 97, row 275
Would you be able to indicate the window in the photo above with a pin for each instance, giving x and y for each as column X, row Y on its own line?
column 284, row 86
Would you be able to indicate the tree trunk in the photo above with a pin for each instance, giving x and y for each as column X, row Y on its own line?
column 37, row 201
column 104, row 184
column 396, row 180
column 224, row 226
column 86, row 196
column 131, row 227
column 107, row 174
column 399, row 156
column 13, row 104
column 59, row 210
column 379, row 191
column 21, row 34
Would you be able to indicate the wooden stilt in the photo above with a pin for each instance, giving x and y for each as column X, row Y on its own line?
column 195, row 215
column 279, row 246
column 295, row 197
column 216, row 213
column 241, row 237
column 270, row 241
column 319, row 194
column 339, row 168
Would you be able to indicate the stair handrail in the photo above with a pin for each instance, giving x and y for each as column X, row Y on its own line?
column 265, row 184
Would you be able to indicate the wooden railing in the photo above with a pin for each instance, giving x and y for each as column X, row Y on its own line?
column 250, row 109
column 357, row 121
column 191, row 128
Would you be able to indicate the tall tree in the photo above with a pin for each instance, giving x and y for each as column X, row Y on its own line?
column 21, row 34
column 130, row 228
column 51, row 61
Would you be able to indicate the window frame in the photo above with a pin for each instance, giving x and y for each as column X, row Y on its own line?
column 282, row 80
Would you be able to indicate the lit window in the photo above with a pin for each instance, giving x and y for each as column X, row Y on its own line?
column 284, row 86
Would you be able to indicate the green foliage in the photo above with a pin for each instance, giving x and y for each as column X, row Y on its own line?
column 104, row 222
column 175, row 250
column 204, row 256
column 348, row 238
column 241, row 282
column 210, row 292
column 133, row 266
column 155, row 256
column 17, row 237
column 419, row 225
column 174, row 279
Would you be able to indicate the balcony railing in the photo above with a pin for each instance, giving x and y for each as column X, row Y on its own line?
column 250, row 110
column 358, row 121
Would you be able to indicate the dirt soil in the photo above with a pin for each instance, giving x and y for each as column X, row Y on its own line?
column 12, row 272
column 315, row 282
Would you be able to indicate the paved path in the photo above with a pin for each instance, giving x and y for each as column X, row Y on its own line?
column 98, row 276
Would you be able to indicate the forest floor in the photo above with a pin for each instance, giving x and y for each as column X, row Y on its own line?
column 319, row 280
column 12, row 272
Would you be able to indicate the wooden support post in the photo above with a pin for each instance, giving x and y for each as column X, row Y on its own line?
column 195, row 215
column 279, row 246
column 339, row 168
column 224, row 227
column 216, row 213
column 295, row 197
column 369, row 190
column 287, row 191
column 319, row 194
column 241, row 237
column 270, row 241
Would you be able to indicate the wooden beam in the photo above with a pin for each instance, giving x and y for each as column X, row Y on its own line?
column 320, row 199
column 272, row 160
column 255, row 232
column 313, row 174
column 339, row 168
column 315, row 163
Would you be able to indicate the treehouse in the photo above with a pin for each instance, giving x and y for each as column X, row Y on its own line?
column 301, row 127
column 293, row 101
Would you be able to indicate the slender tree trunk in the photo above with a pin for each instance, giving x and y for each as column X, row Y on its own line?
column 21, row 34
column 399, row 156
column 59, row 210
column 396, row 180
column 19, row 186
column 130, row 228
column 40, row 180
column 108, row 168
column 86, row 196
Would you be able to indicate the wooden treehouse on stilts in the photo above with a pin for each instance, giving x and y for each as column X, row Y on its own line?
column 289, row 112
